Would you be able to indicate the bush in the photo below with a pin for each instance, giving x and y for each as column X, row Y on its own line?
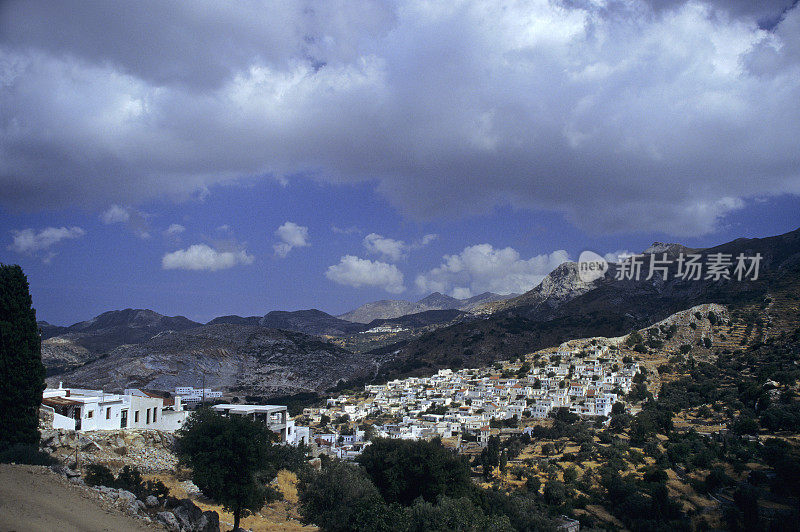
column 452, row 514
column 99, row 475
column 342, row 497
column 555, row 492
column 745, row 425
column 156, row 488
column 129, row 479
column 21, row 453
column 533, row 484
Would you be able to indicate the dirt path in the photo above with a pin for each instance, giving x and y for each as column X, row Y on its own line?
column 35, row 498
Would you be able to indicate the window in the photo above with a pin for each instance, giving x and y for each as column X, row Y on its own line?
column 90, row 413
column 136, row 417
column 148, row 417
column 108, row 413
column 155, row 417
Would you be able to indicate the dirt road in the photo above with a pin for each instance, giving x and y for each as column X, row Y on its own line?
column 33, row 498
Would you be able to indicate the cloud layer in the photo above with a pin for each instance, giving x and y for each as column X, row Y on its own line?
column 204, row 257
column 356, row 272
column 622, row 115
column 482, row 268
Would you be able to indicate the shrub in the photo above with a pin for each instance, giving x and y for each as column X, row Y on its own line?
column 555, row 492
column 342, row 497
column 99, row 475
column 129, row 478
column 156, row 488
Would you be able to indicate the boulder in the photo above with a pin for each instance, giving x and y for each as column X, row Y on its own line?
column 209, row 522
column 193, row 519
column 64, row 470
column 108, row 491
column 169, row 521
column 47, row 437
column 151, row 501
column 125, row 494
column 171, row 502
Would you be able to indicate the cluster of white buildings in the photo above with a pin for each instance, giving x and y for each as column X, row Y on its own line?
column 448, row 404
column 194, row 396
column 466, row 401
column 85, row 410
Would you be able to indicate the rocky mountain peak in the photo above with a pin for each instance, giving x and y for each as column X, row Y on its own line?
column 671, row 250
column 439, row 301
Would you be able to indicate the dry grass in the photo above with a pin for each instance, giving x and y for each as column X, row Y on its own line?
column 281, row 515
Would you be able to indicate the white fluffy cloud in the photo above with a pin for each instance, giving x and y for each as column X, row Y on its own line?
column 292, row 236
column 203, row 257
column 135, row 220
column 623, row 115
column 388, row 248
column 28, row 241
column 391, row 249
column 356, row 272
column 482, row 268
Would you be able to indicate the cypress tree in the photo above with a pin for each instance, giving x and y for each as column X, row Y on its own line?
column 21, row 369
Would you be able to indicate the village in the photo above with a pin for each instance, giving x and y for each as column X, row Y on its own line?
column 464, row 407
column 468, row 406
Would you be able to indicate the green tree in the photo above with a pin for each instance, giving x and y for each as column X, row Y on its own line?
column 403, row 470
column 230, row 458
column 342, row 498
column 21, row 369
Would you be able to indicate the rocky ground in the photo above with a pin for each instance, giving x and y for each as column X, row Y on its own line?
column 148, row 450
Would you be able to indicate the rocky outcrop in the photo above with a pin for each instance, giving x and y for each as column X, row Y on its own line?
column 191, row 518
column 148, row 450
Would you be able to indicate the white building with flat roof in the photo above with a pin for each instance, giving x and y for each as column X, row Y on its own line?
column 85, row 410
column 275, row 416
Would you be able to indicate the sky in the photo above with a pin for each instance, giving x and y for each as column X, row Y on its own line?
column 211, row 157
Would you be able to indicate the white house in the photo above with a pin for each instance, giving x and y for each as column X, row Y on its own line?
column 275, row 416
column 85, row 410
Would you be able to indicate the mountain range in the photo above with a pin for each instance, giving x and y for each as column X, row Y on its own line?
column 288, row 352
column 563, row 307
column 394, row 308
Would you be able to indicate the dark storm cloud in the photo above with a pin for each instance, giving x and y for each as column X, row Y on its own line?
column 619, row 115
column 759, row 10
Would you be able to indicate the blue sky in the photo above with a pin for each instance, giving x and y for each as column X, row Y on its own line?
column 367, row 150
column 111, row 266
